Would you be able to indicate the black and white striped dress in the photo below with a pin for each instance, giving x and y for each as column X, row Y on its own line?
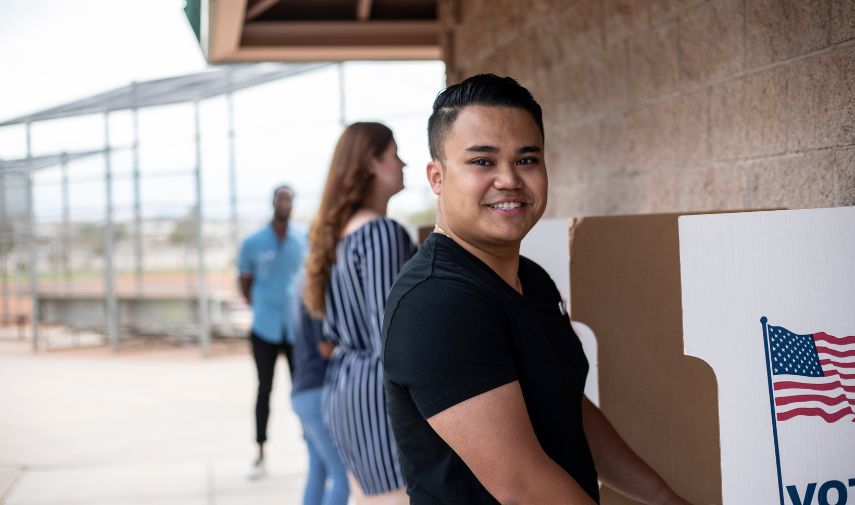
column 354, row 403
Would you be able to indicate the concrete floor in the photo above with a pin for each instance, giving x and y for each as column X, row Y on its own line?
column 152, row 424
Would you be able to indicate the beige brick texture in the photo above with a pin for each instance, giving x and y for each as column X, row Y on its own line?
column 711, row 187
column 566, row 200
column 821, row 99
column 711, row 42
column 504, row 19
column 664, row 10
column 586, row 152
column 654, row 63
column 668, row 135
column 624, row 18
column 846, row 180
column 580, row 28
column 676, row 105
column 842, row 20
column 748, row 115
column 594, row 84
column 780, row 29
column 803, row 180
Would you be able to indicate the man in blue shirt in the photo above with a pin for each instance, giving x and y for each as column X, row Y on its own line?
column 269, row 262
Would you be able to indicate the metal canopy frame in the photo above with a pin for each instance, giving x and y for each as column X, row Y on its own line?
column 25, row 167
column 37, row 163
column 171, row 90
column 191, row 88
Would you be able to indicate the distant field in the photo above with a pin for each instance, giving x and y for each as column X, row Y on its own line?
column 88, row 282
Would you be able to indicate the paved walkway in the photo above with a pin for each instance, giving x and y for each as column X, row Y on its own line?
column 152, row 424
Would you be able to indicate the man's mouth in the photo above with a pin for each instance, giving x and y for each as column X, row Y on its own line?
column 506, row 205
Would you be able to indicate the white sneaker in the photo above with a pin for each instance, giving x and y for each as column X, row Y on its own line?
column 258, row 470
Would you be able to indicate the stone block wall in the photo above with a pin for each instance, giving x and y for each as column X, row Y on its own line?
column 676, row 105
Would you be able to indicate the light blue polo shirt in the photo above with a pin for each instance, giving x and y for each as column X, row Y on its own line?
column 274, row 265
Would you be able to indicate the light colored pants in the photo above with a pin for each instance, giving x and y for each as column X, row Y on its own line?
column 324, row 461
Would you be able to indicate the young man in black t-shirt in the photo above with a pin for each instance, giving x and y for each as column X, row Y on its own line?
column 483, row 372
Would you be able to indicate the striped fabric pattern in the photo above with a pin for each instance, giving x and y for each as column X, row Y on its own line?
column 367, row 262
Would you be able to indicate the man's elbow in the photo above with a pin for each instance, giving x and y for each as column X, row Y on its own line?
column 537, row 484
column 518, row 497
column 516, row 488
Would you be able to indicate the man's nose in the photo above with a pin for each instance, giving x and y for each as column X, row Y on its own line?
column 507, row 177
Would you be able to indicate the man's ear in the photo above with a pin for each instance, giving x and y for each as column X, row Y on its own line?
column 434, row 176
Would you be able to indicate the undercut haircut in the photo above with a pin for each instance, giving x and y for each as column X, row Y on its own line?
column 482, row 89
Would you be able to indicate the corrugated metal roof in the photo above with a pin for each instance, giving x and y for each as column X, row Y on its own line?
column 180, row 89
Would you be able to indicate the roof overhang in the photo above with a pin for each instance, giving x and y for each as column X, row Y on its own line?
column 315, row 30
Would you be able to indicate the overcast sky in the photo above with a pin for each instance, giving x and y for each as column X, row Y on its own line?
column 55, row 51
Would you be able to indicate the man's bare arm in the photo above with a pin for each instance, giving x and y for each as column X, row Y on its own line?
column 619, row 466
column 493, row 435
column 245, row 284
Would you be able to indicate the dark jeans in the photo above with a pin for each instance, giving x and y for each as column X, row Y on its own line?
column 265, row 355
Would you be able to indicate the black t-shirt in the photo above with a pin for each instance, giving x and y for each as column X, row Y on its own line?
column 453, row 330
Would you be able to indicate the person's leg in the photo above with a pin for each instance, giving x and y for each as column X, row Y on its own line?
column 395, row 497
column 288, row 351
column 316, row 431
column 355, row 489
column 264, row 354
column 316, row 478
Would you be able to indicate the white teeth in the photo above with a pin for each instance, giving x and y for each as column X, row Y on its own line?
column 506, row 205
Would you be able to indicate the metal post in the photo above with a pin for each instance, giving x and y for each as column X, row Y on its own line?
column 66, row 227
column 342, row 99
column 233, row 213
column 111, row 314
column 138, row 238
column 32, row 249
column 4, row 242
column 204, row 321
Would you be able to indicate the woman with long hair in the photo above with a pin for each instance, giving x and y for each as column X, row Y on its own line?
column 355, row 253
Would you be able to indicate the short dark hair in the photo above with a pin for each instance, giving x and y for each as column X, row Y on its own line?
column 481, row 89
column 282, row 187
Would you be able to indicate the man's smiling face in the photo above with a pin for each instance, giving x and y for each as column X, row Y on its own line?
column 492, row 183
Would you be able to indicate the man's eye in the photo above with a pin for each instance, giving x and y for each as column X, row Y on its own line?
column 481, row 162
column 527, row 161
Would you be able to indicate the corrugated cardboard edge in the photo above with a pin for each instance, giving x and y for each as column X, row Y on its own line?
column 625, row 285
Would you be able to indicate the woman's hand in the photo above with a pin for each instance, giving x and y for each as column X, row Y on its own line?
column 325, row 349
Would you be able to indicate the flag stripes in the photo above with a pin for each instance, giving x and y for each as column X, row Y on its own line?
column 812, row 375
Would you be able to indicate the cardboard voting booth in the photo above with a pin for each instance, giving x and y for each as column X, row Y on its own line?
column 726, row 348
column 769, row 302
column 625, row 285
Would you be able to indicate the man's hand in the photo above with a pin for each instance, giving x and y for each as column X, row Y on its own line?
column 325, row 349
column 619, row 466
column 245, row 284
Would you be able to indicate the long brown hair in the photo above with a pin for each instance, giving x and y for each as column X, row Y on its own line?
column 348, row 184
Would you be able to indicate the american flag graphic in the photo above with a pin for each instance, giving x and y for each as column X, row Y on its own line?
column 812, row 375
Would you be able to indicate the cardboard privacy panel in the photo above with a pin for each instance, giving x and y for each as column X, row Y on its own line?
column 769, row 303
column 547, row 245
column 625, row 285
